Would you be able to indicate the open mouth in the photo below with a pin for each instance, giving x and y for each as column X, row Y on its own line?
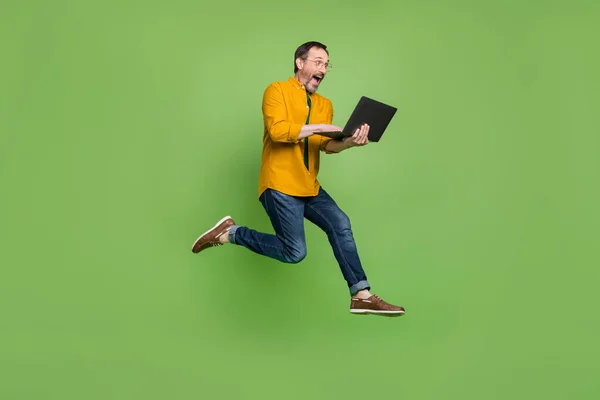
column 317, row 78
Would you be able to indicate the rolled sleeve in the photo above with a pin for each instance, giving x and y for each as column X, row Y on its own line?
column 275, row 113
column 324, row 141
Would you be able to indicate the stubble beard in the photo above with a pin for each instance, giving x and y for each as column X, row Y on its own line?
column 309, row 88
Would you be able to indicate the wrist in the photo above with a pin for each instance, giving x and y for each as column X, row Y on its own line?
column 347, row 143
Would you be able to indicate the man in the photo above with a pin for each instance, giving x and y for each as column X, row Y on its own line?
column 288, row 187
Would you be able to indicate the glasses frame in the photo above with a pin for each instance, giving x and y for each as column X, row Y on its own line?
column 320, row 64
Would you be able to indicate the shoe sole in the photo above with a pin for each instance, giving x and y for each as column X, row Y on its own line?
column 217, row 224
column 376, row 312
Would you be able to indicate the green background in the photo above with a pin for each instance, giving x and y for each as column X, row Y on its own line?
column 128, row 128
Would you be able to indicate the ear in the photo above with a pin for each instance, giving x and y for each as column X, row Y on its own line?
column 299, row 63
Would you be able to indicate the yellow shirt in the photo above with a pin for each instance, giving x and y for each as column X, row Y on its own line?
column 285, row 109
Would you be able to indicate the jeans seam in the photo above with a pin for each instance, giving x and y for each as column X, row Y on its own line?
column 260, row 243
column 335, row 239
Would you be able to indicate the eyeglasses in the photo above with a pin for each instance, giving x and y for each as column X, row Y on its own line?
column 320, row 64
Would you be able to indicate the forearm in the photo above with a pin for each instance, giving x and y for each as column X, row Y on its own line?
column 287, row 132
column 336, row 146
column 308, row 130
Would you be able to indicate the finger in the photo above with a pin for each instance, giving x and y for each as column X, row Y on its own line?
column 358, row 132
column 364, row 133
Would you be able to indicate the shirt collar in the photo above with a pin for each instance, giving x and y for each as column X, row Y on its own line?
column 296, row 83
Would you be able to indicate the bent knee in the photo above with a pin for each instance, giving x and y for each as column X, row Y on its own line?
column 294, row 256
column 342, row 225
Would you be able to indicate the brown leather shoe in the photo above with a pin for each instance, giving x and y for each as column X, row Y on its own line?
column 211, row 237
column 374, row 305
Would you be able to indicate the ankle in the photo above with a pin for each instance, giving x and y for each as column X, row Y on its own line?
column 224, row 238
column 362, row 294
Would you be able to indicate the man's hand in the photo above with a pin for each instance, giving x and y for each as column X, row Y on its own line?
column 359, row 138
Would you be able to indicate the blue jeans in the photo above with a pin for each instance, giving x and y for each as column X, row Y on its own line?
column 288, row 244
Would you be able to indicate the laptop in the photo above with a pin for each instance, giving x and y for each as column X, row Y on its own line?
column 367, row 111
